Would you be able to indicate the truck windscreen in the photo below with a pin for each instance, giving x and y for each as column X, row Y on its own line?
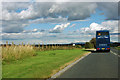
column 102, row 34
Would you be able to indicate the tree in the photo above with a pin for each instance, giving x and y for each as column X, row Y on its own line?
column 88, row 45
column 93, row 41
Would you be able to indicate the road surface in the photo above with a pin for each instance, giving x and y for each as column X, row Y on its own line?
column 95, row 65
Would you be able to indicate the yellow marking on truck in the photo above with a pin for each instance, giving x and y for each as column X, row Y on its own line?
column 103, row 48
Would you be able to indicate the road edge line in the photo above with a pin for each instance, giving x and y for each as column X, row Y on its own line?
column 115, row 53
column 67, row 67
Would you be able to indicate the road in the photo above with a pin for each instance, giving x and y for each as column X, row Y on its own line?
column 95, row 65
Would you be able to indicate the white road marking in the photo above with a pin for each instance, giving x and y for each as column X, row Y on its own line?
column 115, row 53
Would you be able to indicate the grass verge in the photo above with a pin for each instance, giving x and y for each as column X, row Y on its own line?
column 45, row 64
column 118, row 47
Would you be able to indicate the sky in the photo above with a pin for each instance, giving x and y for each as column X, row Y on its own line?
column 57, row 22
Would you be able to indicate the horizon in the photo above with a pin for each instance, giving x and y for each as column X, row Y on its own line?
column 10, row 43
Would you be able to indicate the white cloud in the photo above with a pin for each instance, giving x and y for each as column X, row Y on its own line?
column 46, row 37
column 93, row 27
column 59, row 28
column 32, row 31
column 35, row 30
column 0, row 11
column 29, row 13
column 60, row 1
column 15, row 0
column 24, row 14
column 112, row 26
column 49, row 19
column 20, row 36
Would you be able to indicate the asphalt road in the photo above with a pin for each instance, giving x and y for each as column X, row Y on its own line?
column 95, row 65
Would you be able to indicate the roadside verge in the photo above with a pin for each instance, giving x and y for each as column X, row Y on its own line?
column 67, row 67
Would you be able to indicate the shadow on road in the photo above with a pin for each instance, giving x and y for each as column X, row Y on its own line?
column 100, row 51
column 94, row 51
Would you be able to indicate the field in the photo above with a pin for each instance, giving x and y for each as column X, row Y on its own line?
column 118, row 47
column 29, row 61
column 43, row 65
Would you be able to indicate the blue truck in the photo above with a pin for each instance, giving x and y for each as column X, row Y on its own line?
column 102, row 40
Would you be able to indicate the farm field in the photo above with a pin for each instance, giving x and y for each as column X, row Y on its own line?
column 43, row 65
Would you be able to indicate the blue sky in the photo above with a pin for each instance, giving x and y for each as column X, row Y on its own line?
column 57, row 22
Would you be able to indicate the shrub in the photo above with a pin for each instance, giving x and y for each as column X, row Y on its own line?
column 88, row 45
column 93, row 41
column 17, row 52
column 78, row 46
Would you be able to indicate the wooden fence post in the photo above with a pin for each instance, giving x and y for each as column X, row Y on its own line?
column 6, row 43
column 46, row 46
column 42, row 46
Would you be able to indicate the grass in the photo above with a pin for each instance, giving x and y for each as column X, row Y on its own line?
column 118, row 47
column 17, row 52
column 45, row 64
column 11, row 53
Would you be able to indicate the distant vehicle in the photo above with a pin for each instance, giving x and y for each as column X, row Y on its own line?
column 102, row 40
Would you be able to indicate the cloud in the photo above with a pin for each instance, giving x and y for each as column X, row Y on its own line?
column 21, row 36
column 76, row 1
column 112, row 26
column 34, row 31
column 15, row 0
column 29, row 13
column 59, row 28
column 93, row 27
column 30, row 31
column 42, row 37
column 110, row 9
column 45, row 12
column 13, row 29
column 60, row 1
column 49, row 19
column 14, row 26
column 72, row 25
column 74, row 11
column 82, row 35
